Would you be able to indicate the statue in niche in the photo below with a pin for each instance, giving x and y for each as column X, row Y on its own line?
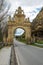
column 19, row 11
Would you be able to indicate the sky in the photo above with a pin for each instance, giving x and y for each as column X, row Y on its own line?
column 31, row 7
column 19, row 32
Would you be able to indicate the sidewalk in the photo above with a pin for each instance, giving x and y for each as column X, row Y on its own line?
column 5, row 56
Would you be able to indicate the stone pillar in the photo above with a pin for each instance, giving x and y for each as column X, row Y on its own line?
column 28, row 36
column 10, row 36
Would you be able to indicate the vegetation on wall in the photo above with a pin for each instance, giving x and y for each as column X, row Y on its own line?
column 38, row 19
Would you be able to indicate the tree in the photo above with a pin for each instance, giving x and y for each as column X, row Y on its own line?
column 3, row 11
column 3, row 14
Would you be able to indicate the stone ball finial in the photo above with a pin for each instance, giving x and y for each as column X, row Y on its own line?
column 19, row 10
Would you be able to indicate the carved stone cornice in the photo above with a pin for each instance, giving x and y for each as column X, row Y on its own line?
column 19, row 24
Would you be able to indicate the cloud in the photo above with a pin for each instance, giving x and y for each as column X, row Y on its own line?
column 30, row 7
column 27, row 2
column 34, row 13
column 19, row 31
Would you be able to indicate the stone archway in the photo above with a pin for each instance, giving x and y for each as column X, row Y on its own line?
column 19, row 21
column 11, row 30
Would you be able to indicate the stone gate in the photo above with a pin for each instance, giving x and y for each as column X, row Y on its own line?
column 19, row 21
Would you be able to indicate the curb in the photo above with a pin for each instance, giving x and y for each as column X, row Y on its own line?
column 17, row 58
column 13, row 60
column 39, row 44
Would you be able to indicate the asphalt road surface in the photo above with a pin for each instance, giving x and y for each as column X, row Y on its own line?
column 27, row 54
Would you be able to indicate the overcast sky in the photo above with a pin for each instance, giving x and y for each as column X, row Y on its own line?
column 19, row 31
column 30, row 7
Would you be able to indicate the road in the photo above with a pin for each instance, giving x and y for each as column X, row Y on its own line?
column 27, row 54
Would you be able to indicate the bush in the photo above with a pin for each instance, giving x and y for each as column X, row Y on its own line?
column 40, row 42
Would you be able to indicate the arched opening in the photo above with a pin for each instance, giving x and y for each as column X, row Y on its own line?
column 19, row 34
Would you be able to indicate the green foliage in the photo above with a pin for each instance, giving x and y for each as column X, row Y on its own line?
column 33, row 44
column 40, row 42
column 21, row 39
